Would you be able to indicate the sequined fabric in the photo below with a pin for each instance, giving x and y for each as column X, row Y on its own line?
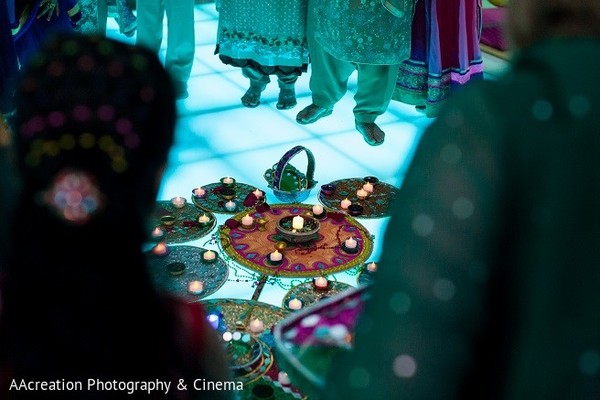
column 363, row 31
column 270, row 33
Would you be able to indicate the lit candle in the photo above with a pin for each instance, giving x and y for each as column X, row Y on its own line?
column 213, row 320
column 368, row 187
column 321, row 283
column 203, row 219
column 178, row 201
column 283, row 378
column 256, row 326
column 297, row 222
column 371, row 267
column 195, row 287
column 295, row 304
column 362, row 194
column 160, row 249
column 230, row 205
column 258, row 193
column 247, row 220
column 276, row 256
column 157, row 233
column 345, row 204
column 199, row 192
column 317, row 209
column 209, row 255
column 350, row 243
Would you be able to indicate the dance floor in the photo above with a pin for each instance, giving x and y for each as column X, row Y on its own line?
column 217, row 137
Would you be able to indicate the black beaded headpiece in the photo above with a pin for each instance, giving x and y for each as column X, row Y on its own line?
column 92, row 113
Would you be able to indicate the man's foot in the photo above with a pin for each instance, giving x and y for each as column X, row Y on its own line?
column 251, row 98
column 312, row 113
column 286, row 100
column 372, row 134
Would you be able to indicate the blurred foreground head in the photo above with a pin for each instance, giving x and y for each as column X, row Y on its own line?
column 532, row 20
column 95, row 121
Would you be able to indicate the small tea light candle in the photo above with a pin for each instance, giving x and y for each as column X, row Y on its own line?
column 258, row 193
column 350, row 243
column 317, row 210
column 295, row 304
column 157, row 233
column 297, row 222
column 276, row 256
column 256, row 326
column 345, row 204
column 362, row 194
column 230, row 205
column 178, row 202
column 195, row 287
column 209, row 255
column 371, row 267
column 199, row 193
column 283, row 378
column 203, row 219
column 368, row 187
column 247, row 220
column 321, row 283
column 160, row 249
column 214, row 320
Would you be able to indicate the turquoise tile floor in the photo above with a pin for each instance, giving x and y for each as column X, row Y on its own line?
column 216, row 136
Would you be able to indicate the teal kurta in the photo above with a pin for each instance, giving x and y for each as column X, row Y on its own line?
column 488, row 287
column 365, row 31
column 270, row 33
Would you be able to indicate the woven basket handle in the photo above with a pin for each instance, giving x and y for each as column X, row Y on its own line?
column 283, row 162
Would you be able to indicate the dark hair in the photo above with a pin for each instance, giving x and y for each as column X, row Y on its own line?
column 94, row 124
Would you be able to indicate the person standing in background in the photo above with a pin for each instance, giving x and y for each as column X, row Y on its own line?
column 371, row 37
column 264, row 38
column 444, row 53
column 488, row 283
column 181, row 43
column 32, row 22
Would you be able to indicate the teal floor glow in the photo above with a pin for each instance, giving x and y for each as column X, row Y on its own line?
column 217, row 136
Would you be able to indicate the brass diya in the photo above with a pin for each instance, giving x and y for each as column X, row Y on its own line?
column 308, row 232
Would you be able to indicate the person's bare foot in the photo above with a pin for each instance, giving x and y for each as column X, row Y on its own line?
column 312, row 113
column 372, row 134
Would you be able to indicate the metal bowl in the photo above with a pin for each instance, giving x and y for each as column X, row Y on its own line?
column 308, row 232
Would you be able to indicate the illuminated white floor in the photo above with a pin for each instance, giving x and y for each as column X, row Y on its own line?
column 217, row 136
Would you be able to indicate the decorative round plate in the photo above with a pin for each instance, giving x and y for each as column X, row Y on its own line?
column 325, row 255
column 235, row 316
column 215, row 202
column 169, row 276
column 184, row 226
column 376, row 205
column 237, row 313
column 308, row 294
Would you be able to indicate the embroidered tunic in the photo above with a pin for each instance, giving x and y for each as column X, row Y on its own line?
column 365, row 31
column 269, row 33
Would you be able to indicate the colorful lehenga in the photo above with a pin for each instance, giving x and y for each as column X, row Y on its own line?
column 444, row 55
column 29, row 32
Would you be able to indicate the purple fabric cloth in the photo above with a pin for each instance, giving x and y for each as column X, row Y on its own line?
column 445, row 52
column 31, row 35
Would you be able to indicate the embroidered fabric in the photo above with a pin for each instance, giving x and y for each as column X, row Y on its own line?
column 74, row 196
